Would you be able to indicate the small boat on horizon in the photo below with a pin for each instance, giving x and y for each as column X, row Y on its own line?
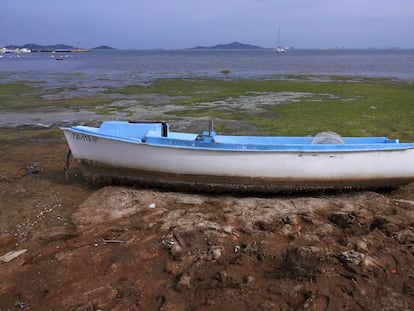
column 279, row 48
column 148, row 153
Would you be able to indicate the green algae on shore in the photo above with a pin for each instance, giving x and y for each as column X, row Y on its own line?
column 297, row 105
column 350, row 106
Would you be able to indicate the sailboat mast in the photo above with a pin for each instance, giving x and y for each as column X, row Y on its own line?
column 278, row 38
column 279, row 49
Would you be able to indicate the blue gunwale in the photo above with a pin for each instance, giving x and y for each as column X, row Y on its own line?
column 150, row 134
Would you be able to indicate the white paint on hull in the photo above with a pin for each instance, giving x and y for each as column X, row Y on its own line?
column 335, row 166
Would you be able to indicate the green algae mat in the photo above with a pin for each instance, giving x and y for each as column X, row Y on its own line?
column 292, row 105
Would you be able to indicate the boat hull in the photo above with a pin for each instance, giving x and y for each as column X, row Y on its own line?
column 107, row 160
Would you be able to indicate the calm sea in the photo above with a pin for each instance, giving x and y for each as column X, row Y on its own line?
column 102, row 68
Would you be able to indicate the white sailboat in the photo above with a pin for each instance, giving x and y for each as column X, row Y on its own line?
column 279, row 48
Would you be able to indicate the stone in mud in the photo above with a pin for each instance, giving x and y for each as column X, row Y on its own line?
column 186, row 239
column 111, row 203
column 184, row 283
column 352, row 256
column 248, row 279
column 216, row 253
column 12, row 255
column 343, row 220
column 361, row 246
column 176, row 251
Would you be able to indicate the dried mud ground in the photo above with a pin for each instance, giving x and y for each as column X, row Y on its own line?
column 65, row 245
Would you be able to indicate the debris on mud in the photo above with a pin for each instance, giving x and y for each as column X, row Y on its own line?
column 107, row 249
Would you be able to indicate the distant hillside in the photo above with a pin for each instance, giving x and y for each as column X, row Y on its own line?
column 103, row 47
column 48, row 48
column 34, row 46
column 233, row 45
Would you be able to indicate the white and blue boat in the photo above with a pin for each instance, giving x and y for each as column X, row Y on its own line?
column 148, row 153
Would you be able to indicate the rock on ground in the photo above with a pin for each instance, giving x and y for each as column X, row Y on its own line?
column 120, row 248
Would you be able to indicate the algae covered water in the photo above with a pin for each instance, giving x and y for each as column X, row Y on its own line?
column 101, row 68
column 38, row 90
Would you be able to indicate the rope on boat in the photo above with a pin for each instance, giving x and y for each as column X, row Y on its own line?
column 67, row 164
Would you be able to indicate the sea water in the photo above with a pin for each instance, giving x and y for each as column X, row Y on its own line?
column 88, row 74
column 103, row 68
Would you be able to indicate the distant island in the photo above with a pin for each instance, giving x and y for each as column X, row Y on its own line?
column 103, row 47
column 230, row 46
column 33, row 47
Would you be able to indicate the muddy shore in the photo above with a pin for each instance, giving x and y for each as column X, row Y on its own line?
column 66, row 245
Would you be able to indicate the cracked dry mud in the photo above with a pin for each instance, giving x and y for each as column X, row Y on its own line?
column 116, row 248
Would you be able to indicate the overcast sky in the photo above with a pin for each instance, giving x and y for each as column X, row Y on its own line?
column 137, row 24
